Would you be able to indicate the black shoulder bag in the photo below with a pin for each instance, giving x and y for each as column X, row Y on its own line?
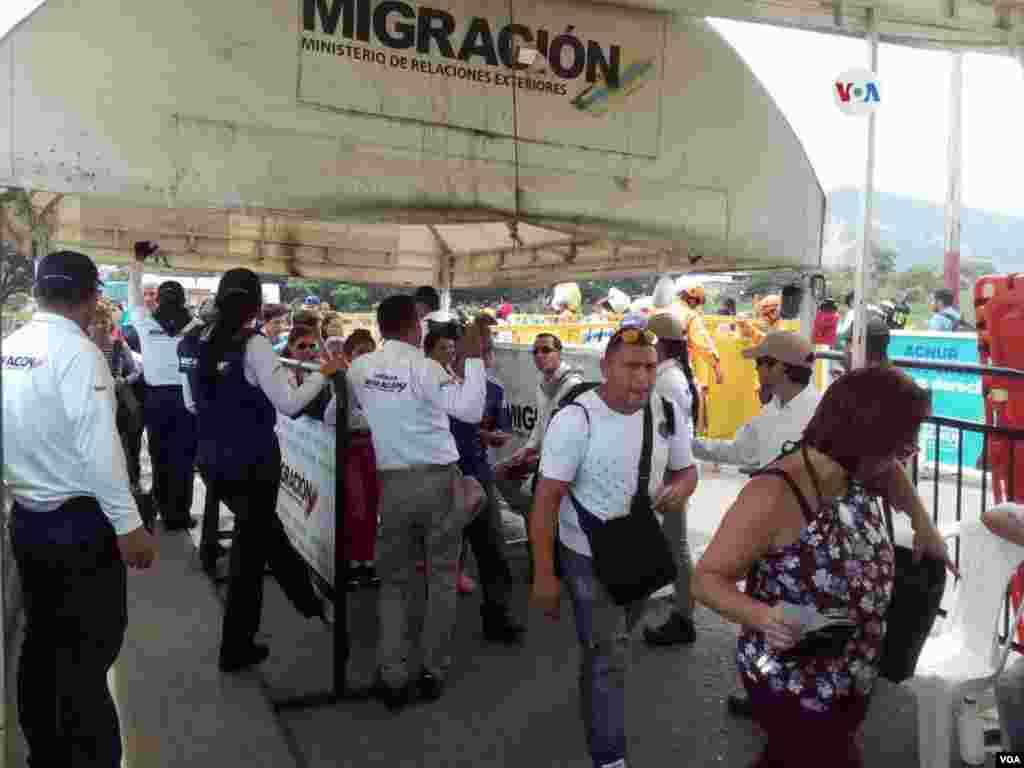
column 916, row 596
column 630, row 555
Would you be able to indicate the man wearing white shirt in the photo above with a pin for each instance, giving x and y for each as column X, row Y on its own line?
column 785, row 363
column 407, row 399
column 590, row 468
column 74, row 523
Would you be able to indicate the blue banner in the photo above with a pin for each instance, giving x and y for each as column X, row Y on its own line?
column 954, row 395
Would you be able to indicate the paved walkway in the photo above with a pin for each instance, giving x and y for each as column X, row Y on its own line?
column 503, row 707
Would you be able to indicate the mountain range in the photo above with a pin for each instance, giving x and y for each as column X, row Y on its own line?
column 914, row 229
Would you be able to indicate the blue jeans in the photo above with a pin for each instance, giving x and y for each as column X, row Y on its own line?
column 603, row 629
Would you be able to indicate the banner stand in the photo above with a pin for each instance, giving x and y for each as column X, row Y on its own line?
column 339, row 594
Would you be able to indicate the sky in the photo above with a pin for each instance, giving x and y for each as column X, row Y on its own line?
column 799, row 69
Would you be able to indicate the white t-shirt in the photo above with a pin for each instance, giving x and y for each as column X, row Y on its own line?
column 602, row 461
column 672, row 384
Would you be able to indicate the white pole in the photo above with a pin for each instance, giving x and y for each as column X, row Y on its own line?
column 951, row 263
column 866, row 251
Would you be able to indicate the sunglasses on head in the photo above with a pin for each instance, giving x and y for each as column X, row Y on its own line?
column 636, row 336
column 765, row 362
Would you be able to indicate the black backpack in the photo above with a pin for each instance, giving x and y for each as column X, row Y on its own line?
column 585, row 386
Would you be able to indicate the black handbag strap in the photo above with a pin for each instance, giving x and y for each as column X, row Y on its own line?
column 775, row 471
column 644, row 480
column 887, row 510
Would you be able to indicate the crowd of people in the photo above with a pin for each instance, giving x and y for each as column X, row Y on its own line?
column 604, row 482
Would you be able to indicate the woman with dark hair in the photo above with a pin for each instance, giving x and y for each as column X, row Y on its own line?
column 170, row 428
column 819, row 567
column 236, row 385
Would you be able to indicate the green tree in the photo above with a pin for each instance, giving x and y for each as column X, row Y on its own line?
column 17, row 273
column 350, row 298
column 885, row 258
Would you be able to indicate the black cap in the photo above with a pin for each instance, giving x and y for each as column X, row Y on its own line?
column 171, row 291
column 240, row 281
column 68, row 268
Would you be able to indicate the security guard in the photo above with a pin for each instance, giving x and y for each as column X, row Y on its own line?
column 170, row 427
column 74, row 523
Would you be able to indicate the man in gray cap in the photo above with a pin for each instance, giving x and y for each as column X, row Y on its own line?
column 785, row 364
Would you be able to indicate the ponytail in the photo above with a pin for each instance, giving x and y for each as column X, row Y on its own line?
column 232, row 313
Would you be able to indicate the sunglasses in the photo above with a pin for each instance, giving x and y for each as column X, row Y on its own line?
column 543, row 350
column 636, row 336
column 304, row 347
column 907, row 451
column 765, row 362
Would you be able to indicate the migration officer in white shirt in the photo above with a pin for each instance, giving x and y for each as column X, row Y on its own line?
column 407, row 399
column 785, row 363
column 74, row 523
column 169, row 425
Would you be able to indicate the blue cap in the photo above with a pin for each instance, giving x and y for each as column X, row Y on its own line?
column 311, row 301
column 70, row 268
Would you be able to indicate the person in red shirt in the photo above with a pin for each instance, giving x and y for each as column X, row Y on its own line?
column 826, row 323
column 504, row 310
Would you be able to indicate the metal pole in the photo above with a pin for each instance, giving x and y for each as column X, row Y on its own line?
column 867, row 250
column 951, row 269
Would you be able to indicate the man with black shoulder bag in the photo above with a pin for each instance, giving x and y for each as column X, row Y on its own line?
column 610, row 458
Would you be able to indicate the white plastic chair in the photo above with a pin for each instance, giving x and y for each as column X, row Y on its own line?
column 966, row 657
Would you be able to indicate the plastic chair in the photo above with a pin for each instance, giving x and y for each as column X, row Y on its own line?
column 966, row 657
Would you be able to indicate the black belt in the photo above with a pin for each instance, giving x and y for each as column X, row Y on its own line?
column 163, row 386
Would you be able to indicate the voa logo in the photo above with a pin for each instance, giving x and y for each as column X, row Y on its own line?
column 857, row 92
column 1005, row 758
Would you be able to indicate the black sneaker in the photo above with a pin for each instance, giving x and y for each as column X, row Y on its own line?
column 738, row 705
column 499, row 627
column 368, row 576
column 247, row 656
column 180, row 525
column 429, row 687
column 394, row 699
column 675, row 631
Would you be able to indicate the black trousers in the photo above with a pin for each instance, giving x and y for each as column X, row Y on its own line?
column 131, row 439
column 73, row 583
column 260, row 540
column 172, row 447
column 485, row 537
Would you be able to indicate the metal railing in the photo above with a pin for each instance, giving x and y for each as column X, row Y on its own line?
column 989, row 432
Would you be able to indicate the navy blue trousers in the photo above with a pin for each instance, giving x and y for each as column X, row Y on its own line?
column 172, row 447
column 73, row 582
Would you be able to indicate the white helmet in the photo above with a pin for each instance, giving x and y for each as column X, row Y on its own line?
column 664, row 292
